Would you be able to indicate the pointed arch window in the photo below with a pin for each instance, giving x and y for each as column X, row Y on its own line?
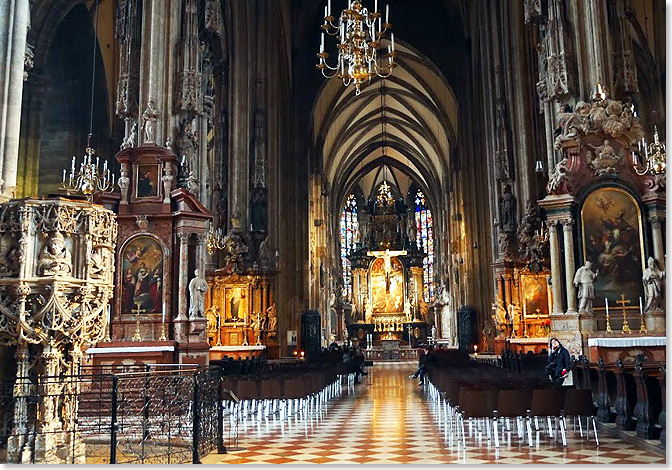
column 349, row 228
column 424, row 225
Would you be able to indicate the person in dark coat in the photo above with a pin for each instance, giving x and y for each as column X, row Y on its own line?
column 558, row 362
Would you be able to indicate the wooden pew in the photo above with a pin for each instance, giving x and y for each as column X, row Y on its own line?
column 649, row 400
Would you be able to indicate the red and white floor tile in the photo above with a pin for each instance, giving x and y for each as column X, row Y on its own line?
column 389, row 419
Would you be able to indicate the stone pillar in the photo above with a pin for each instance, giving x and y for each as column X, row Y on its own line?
column 183, row 276
column 31, row 129
column 13, row 30
column 416, row 272
column 200, row 252
column 657, row 236
column 570, row 268
column 556, row 270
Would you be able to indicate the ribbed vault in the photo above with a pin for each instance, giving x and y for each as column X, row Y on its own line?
column 406, row 122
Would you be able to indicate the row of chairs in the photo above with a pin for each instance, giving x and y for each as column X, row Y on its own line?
column 285, row 393
column 491, row 400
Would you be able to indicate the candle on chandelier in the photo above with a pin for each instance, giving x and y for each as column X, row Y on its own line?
column 342, row 32
column 392, row 37
column 387, row 13
column 64, row 175
column 73, row 163
column 328, row 7
column 375, row 5
column 322, row 43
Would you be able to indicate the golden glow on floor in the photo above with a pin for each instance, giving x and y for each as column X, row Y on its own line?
column 389, row 419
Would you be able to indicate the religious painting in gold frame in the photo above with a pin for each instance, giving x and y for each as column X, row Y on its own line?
column 387, row 286
column 147, row 181
column 535, row 295
column 236, row 304
column 611, row 223
column 142, row 276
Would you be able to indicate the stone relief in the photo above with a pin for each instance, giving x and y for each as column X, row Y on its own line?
column 604, row 160
column 55, row 258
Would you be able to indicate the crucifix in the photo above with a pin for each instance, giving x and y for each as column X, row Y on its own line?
column 137, row 311
column 387, row 259
column 624, row 302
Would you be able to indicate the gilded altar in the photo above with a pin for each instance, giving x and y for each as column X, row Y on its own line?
column 241, row 311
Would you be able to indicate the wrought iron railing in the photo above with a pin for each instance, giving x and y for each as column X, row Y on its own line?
column 138, row 415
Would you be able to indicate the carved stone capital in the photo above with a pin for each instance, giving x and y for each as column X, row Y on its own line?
column 656, row 221
column 567, row 224
column 183, row 237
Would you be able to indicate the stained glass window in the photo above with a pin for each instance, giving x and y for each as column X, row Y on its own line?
column 425, row 240
column 349, row 226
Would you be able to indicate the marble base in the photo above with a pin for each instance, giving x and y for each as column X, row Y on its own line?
column 587, row 322
column 655, row 321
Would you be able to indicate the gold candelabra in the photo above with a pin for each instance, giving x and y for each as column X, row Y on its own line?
column 214, row 240
column 90, row 178
column 609, row 330
column 624, row 302
column 137, row 311
column 654, row 156
column 163, row 332
column 360, row 33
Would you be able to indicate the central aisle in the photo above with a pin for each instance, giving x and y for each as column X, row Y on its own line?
column 388, row 419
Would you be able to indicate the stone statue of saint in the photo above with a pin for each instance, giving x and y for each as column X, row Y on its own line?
column 55, row 259
column 149, row 117
column 583, row 280
column 198, row 287
column 507, row 211
column 653, row 279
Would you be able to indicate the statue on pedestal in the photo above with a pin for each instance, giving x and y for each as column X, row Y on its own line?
column 198, row 287
column 272, row 321
column 653, row 279
column 583, row 280
column 150, row 116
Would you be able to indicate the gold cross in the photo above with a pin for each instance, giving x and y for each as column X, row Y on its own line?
column 137, row 311
column 623, row 301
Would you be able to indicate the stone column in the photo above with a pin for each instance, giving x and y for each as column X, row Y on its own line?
column 555, row 267
column 570, row 268
column 31, row 128
column 200, row 252
column 183, row 276
column 657, row 236
column 13, row 30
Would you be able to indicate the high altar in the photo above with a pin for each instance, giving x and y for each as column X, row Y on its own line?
column 387, row 302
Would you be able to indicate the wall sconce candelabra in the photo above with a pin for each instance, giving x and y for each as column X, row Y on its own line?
column 654, row 156
column 214, row 240
column 360, row 33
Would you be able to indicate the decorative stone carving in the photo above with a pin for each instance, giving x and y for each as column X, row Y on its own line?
column 605, row 160
column 124, row 182
column 54, row 302
column 625, row 69
column 28, row 63
column 559, row 181
column 188, row 97
column 601, row 117
column 55, row 258
column 9, row 256
column 198, row 288
column 213, row 16
column 150, row 117
column 507, row 210
column 129, row 141
column 192, row 183
column 653, row 286
column 260, row 148
column 556, row 78
column 534, row 250
column 583, row 280
column 167, row 180
column 141, row 222
column 532, row 9
column 267, row 255
column 503, row 139
column 235, row 246
column 187, row 144
column 272, row 315
column 127, row 33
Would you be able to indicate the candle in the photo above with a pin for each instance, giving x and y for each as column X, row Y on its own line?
column 329, row 7
column 322, row 43
column 64, row 175
column 641, row 310
column 108, row 314
column 375, row 5
column 387, row 13
column 606, row 304
column 342, row 32
column 392, row 36
column 163, row 316
column 326, row 13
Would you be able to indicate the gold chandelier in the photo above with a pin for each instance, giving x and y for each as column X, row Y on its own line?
column 654, row 156
column 360, row 33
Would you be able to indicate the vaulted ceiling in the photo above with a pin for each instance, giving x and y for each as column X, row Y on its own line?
column 406, row 122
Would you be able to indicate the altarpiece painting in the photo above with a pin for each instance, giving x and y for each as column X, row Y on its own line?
column 613, row 242
column 142, row 270
column 387, row 286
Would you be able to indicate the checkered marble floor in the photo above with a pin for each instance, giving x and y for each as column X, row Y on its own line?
column 389, row 419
